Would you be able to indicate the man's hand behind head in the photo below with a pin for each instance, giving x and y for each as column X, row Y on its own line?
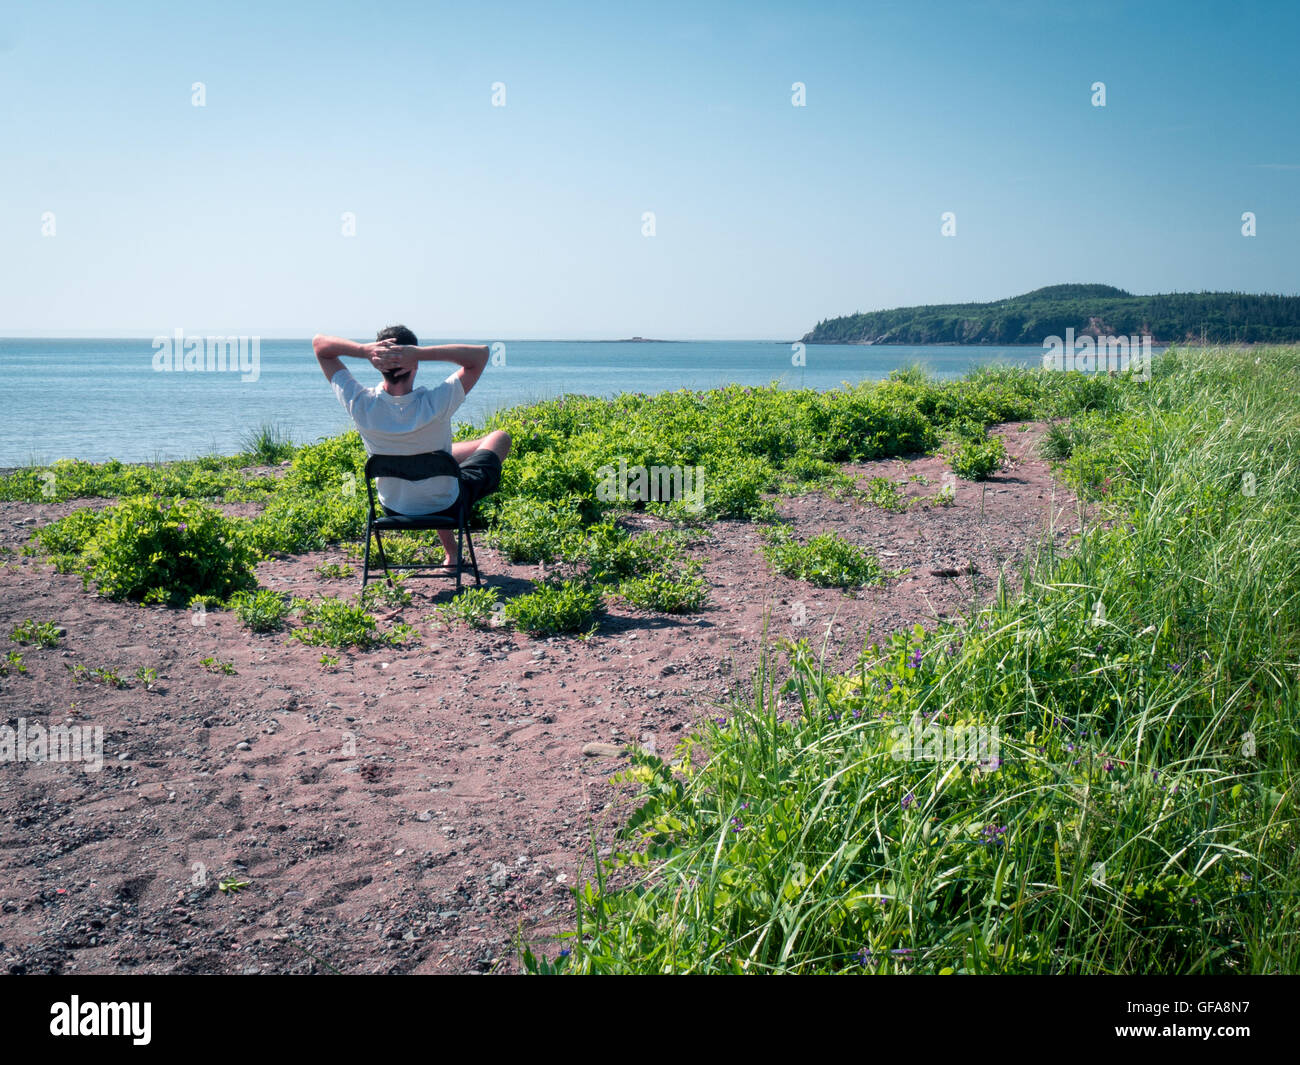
column 389, row 356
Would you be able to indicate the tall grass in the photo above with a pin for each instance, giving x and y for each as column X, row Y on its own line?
column 1139, row 814
column 268, row 445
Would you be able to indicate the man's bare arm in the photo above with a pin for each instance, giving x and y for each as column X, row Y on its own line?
column 471, row 358
column 330, row 352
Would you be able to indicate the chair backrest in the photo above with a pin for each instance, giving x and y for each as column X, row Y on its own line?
column 413, row 467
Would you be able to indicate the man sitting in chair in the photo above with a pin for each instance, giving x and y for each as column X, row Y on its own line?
column 397, row 419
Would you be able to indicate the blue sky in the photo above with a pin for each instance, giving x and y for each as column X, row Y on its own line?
column 525, row 221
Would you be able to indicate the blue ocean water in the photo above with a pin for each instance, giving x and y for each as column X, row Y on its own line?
column 101, row 399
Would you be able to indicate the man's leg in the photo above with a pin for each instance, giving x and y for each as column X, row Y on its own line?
column 498, row 442
column 448, row 538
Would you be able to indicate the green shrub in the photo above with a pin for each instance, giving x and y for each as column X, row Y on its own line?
column 161, row 552
column 885, row 494
column 334, row 571
column 69, row 535
column 407, row 548
column 733, row 489
column 826, row 560
column 211, row 477
column 611, row 553
column 978, row 462
column 333, row 622
column 803, row 469
column 967, row 430
column 391, row 592
column 262, row 610
column 666, row 593
column 561, row 474
column 297, row 520
column 535, row 530
column 557, row 606
column 44, row 633
column 333, row 466
column 473, row 606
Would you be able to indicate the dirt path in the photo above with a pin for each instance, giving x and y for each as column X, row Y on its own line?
column 415, row 809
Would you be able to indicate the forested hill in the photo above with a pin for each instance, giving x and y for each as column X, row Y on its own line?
column 1088, row 309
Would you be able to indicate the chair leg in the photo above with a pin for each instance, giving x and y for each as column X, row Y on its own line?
column 383, row 559
column 365, row 566
column 473, row 559
column 460, row 555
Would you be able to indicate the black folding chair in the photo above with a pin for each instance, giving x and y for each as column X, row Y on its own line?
column 417, row 468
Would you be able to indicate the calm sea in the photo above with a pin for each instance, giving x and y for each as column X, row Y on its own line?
column 100, row 399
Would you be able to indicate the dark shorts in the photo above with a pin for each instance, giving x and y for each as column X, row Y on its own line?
column 480, row 476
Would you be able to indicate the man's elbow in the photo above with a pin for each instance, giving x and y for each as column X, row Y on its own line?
column 318, row 344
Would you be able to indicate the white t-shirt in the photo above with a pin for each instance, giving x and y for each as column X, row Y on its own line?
column 413, row 424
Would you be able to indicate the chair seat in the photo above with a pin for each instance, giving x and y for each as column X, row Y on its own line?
column 414, row 521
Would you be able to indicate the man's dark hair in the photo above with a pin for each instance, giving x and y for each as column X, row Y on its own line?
column 402, row 335
column 399, row 333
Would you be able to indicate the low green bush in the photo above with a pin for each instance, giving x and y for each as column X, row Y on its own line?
column 42, row 633
column 475, row 607
column 826, row 560
column 885, row 494
column 532, row 530
column 390, row 592
column 611, row 553
column 556, row 606
column 978, row 462
column 295, row 521
column 334, row 622
column 167, row 552
column 69, row 535
column 666, row 593
column 211, row 477
column 262, row 610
